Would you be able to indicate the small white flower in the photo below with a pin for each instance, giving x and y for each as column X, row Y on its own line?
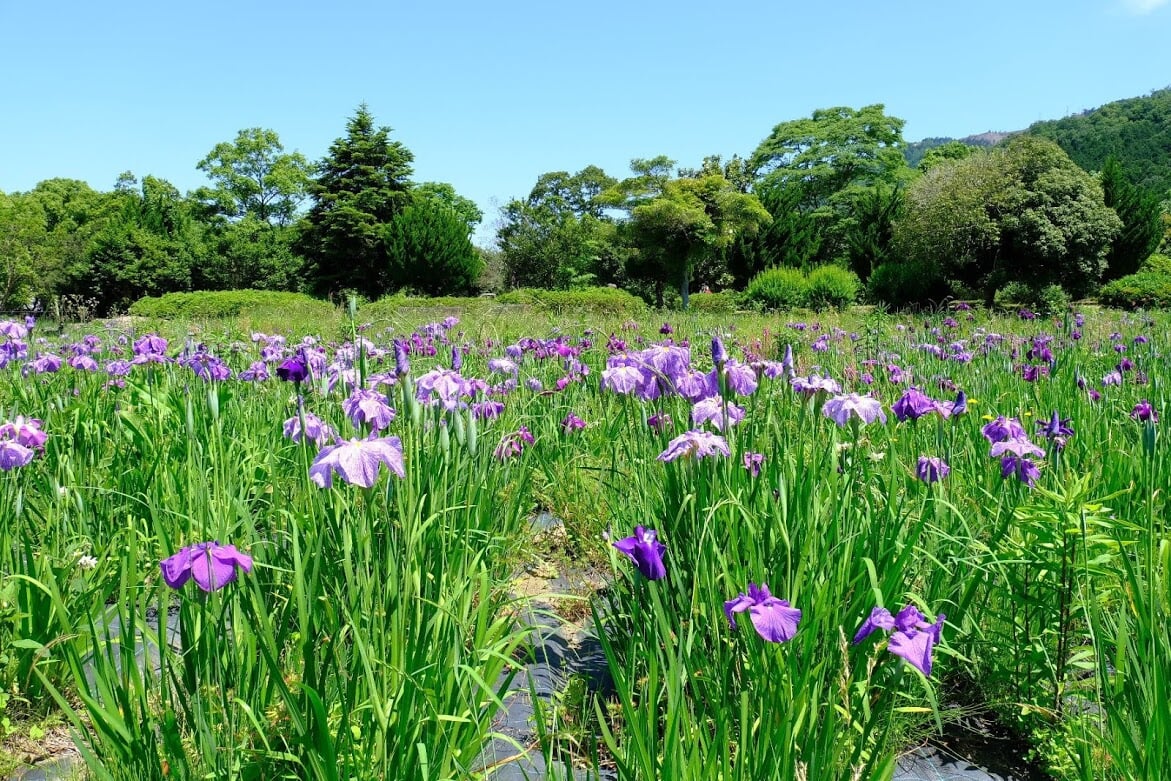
column 87, row 562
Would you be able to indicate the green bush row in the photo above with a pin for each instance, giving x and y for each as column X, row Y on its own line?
column 602, row 300
column 1144, row 290
column 825, row 287
column 221, row 303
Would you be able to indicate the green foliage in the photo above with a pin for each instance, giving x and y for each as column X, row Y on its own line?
column 1137, row 131
column 428, row 251
column 1157, row 263
column 255, row 177
column 443, row 194
column 778, row 288
column 724, row 302
column 1142, row 221
column 869, row 230
column 596, row 300
column 793, row 238
column 222, row 303
column 1144, row 290
column 250, row 253
column 904, row 284
column 1045, row 300
column 952, row 150
column 833, row 287
column 1020, row 212
column 362, row 184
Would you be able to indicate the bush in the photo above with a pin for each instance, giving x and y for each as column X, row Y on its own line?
column 833, row 287
column 1044, row 300
column 724, row 302
column 778, row 288
column 600, row 300
column 1144, row 290
column 221, row 303
column 904, row 285
column 1157, row 264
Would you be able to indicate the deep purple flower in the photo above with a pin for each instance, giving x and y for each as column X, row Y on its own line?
column 865, row 408
column 571, row 423
column 912, row 405
column 1003, row 428
column 913, row 639
column 1143, row 411
column 947, row 409
column 151, row 344
column 402, row 361
column 13, row 455
column 719, row 352
column 293, row 370
column 753, row 462
column 1056, row 429
column 1025, row 470
column 774, row 619
column 357, row 461
column 659, row 421
column 211, row 565
column 695, row 444
column 931, row 470
column 666, row 330
column 645, row 550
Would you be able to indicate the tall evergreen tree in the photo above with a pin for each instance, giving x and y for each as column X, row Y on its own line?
column 362, row 184
column 1142, row 221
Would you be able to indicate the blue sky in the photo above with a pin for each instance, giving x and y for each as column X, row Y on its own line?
column 490, row 95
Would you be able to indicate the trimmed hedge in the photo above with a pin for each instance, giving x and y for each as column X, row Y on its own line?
column 724, row 302
column 600, row 300
column 778, row 288
column 221, row 303
column 1144, row 290
column 833, row 287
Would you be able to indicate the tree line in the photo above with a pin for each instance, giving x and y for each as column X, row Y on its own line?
column 831, row 189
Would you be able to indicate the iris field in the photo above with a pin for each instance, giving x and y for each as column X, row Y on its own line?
column 265, row 550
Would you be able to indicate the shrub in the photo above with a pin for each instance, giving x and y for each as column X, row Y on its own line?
column 724, row 302
column 1044, row 300
column 1157, row 264
column 600, row 300
column 221, row 303
column 833, row 287
column 1145, row 290
column 903, row 285
column 778, row 288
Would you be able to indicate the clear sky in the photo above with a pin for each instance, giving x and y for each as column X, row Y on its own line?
column 489, row 95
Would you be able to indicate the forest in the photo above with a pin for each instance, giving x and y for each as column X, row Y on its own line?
column 826, row 210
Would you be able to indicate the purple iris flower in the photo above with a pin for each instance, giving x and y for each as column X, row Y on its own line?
column 865, row 408
column 815, row 384
column 1003, row 428
column 913, row 639
column 13, row 455
column 84, row 363
column 947, row 409
column 741, row 378
column 316, row 430
column 723, row 415
column 293, row 370
column 46, row 363
column 666, row 330
column 1017, row 446
column 1143, row 411
column 775, row 620
column 1056, row 429
column 695, row 444
column 622, row 379
column 913, row 404
column 402, row 361
column 368, row 407
column 645, row 550
column 357, row 461
column 151, row 344
column 447, row 386
column 1112, row 378
column 513, row 444
column 1025, row 470
column 572, row 423
column 25, row 432
column 931, row 470
column 753, row 462
column 659, row 422
column 211, row 565
column 487, row 410
column 719, row 352
column 502, row 366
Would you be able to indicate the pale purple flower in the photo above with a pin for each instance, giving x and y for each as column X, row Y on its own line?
column 1003, row 428
column 368, row 407
column 1112, row 378
column 719, row 352
column 864, row 408
column 913, row 639
column 487, row 410
column 151, row 344
column 446, row 386
column 645, row 550
column 571, row 423
column 775, row 620
column 1017, row 446
column 84, row 363
column 947, row 409
column 512, row 445
column 24, row 431
column 695, row 444
column 13, row 455
column 741, row 378
column 357, row 461
column 622, row 379
column 753, row 462
column 316, row 430
column 815, row 384
column 719, row 413
column 502, row 366
column 211, row 565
